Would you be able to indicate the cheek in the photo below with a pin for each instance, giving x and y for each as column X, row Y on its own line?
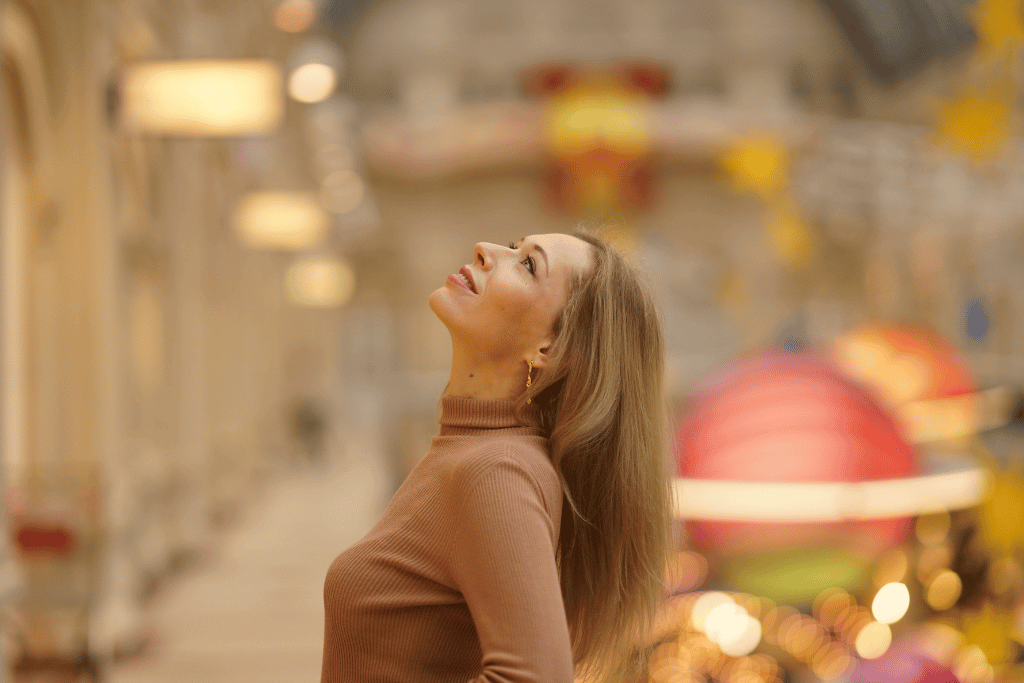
column 518, row 309
column 513, row 317
column 511, row 302
column 531, row 322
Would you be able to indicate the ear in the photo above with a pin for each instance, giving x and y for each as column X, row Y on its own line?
column 540, row 355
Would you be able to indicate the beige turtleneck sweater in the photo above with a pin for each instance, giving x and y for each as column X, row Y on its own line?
column 457, row 582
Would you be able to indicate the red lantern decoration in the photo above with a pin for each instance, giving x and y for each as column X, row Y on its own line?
column 920, row 377
column 784, row 418
column 598, row 136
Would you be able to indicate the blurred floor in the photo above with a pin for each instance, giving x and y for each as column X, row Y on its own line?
column 254, row 613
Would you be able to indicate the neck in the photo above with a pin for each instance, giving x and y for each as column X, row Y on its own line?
column 474, row 377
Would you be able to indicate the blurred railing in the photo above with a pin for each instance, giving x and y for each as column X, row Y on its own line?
column 56, row 537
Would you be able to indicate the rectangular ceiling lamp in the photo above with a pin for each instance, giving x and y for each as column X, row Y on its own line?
column 282, row 220
column 203, row 98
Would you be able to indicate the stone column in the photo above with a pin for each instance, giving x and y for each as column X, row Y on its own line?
column 75, row 353
column 117, row 623
column 189, row 519
column 10, row 336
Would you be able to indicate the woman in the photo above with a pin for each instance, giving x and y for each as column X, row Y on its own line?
column 477, row 570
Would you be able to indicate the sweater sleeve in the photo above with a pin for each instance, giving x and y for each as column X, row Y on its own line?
column 503, row 561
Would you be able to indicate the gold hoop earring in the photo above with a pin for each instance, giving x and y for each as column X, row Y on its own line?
column 528, row 379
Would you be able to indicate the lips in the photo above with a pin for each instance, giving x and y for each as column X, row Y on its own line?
column 466, row 273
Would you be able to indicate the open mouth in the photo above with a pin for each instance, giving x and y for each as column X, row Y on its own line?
column 468, row 277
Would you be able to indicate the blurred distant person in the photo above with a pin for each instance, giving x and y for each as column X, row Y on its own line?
column 530, row 542
column 1017, row 416
column 309, row 428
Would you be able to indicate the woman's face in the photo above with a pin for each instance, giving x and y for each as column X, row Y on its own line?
column 514, row 295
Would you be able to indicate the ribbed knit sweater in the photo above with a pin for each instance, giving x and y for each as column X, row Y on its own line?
column 457, row 582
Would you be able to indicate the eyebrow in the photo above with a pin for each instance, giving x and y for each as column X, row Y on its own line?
column 543, row 253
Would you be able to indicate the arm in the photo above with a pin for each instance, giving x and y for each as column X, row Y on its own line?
column 503, row 562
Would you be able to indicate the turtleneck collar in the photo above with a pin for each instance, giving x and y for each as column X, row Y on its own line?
column 464, row 415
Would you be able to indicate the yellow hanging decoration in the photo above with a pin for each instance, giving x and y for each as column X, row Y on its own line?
column 1000, row 27
column 600, row 112
column 1002, row 514
column 790, row 235
column 989, row 631
column 977, row 123
column 759, row 165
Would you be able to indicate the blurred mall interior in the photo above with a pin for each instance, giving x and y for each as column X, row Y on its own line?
column 220, row 222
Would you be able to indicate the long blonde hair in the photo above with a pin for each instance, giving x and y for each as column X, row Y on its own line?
column 602, row 405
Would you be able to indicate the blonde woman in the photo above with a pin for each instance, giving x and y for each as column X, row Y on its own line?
column 530, row 542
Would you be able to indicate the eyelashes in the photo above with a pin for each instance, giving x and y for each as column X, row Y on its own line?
column 532, row 267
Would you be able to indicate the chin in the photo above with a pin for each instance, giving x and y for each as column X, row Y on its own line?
column 447, row 312
column 439, row 304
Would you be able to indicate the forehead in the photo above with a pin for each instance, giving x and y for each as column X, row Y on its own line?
column 563, row 250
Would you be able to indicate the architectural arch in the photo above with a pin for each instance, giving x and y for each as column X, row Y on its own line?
column 26, row 215
column 21, row 53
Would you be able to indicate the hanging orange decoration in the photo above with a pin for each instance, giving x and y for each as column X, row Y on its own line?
column 999, row 25
column 759, row 165
column 926, row 383
column 1002, row 515
column 977, row 123
column 598, row 137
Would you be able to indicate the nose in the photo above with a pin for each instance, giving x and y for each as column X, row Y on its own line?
column 484, row 254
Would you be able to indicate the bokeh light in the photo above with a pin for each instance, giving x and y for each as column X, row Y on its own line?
column 280, row 220
column 743, row 640
column 759, row 165
column 971, row 666
column 873, row 640
column 312, row 82
column 892, row 566
column 932, row 560
column 705, row 605
column 726, row 618
column 943, row 590
column 320, row 282
column 773, row 620
column 294, row 16
column 850, row 628
column 686, row 571
column 832, row 606
column 832, row 661
column 891, row 603
column 931, row 529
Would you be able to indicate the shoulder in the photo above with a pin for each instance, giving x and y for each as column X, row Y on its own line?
column 491, row 455
column 507, row 482
column 515, row 461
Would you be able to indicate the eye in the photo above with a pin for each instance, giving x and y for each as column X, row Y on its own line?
column 532, row 267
